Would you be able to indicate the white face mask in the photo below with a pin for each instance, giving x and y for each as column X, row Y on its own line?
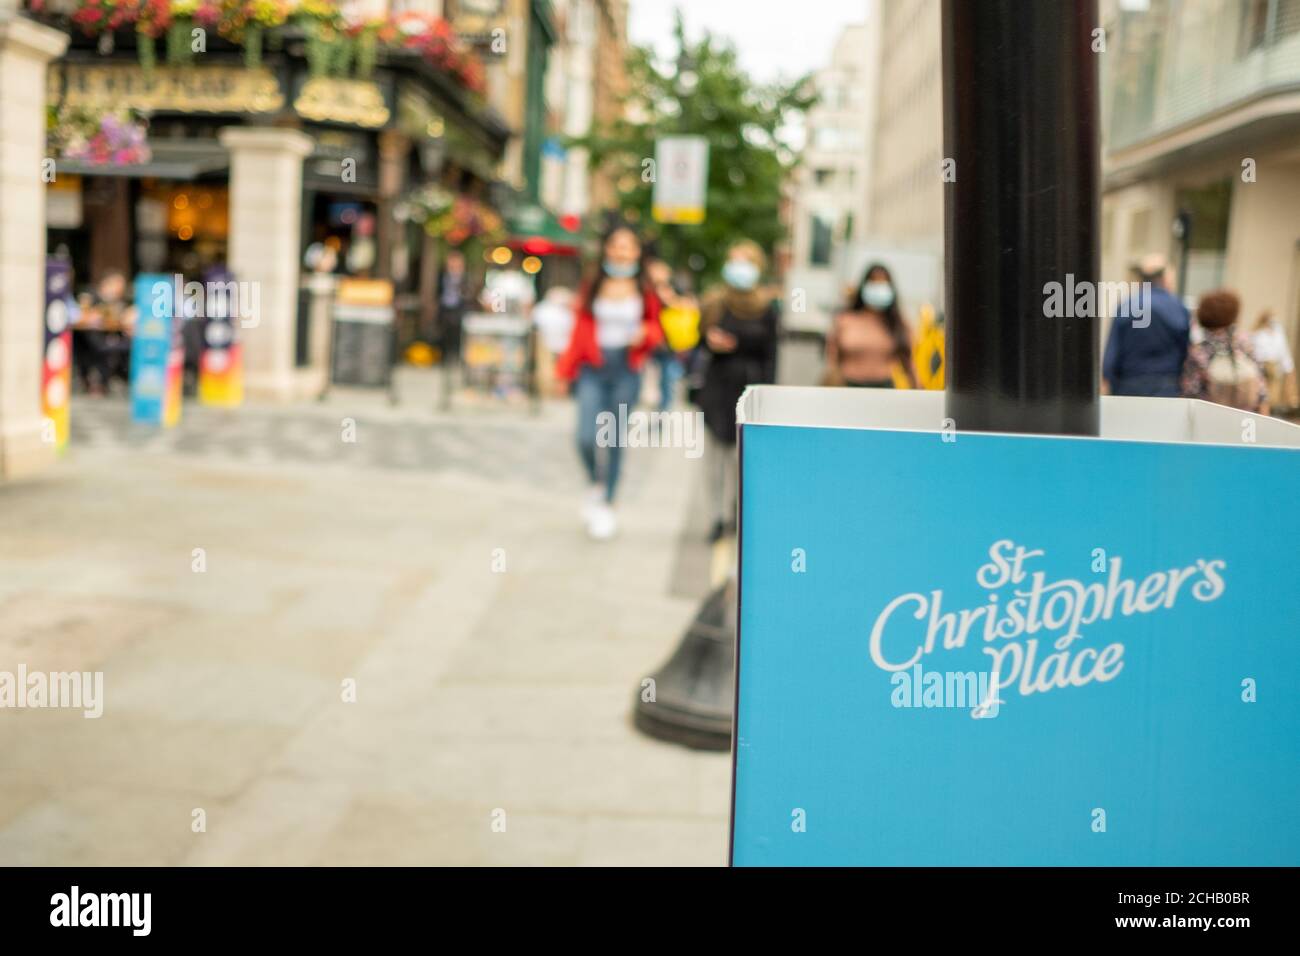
column 740, row 274
column 621, row 270
column 878, row 295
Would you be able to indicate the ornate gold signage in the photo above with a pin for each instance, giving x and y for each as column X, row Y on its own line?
column 336, row 100
column 481, row 24
column 207, row 89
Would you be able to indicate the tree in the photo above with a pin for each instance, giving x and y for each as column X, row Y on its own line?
column 702, row 90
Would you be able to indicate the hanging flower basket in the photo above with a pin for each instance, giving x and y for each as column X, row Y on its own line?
column 456, row 221
column 104, row 138
column 337, row 44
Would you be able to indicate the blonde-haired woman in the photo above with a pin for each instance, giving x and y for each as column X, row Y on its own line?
column 738, row 325
column 1274, row 356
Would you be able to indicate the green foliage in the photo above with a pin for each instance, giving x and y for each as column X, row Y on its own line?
column 703, row 91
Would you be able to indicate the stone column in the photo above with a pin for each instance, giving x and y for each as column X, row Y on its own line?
column 265, row 219
column 26, row 48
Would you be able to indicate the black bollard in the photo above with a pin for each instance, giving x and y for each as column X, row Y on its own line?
column 692, row 693
column 1020, row 120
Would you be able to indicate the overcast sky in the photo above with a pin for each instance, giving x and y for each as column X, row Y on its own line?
column 774, row 39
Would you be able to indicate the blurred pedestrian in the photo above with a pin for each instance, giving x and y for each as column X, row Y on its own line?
column 453, row 295
column 1221, row 366
column 102, row 338
column 553, row 316
column 508, row 291
column 676, row 317
column 1274, row 356
column 616, row 325
column 681, row 318
column 738, row 322
column 1147, row 345
column 869, row 344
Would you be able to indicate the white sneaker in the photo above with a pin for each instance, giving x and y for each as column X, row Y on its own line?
column 602, row 524
column 595, row 498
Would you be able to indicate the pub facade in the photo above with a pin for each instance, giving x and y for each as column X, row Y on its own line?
column 293, row 168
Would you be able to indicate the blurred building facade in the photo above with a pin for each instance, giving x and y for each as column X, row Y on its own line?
column 1201, row 110
column 827, row 196
column 906, row 227
column 586, row 85
column 560, row 66
column 906, row 185
column 879, row 199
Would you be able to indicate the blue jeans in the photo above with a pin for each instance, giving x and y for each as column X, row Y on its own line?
column 599, row 390
column 670, row 373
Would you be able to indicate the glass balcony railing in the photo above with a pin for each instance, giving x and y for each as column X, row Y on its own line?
column 1170, row 62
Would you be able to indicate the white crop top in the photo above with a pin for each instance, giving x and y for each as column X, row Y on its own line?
column 617, row 321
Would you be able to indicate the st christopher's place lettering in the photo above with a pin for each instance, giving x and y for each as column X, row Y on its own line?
column 1035, row 607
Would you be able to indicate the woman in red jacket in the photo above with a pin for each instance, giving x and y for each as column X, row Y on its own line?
column 615, row 327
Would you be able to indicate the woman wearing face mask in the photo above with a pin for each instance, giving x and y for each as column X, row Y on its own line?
column 739, row 326
column 616, row 325
column 869, row 345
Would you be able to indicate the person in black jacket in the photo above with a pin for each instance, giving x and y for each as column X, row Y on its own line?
column 738, row 325
column 453, row 297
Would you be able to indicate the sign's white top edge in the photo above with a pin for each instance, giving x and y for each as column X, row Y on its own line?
column 1175, row 421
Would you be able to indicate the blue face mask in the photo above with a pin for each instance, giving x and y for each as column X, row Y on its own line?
column 877, row 295
column 740, row 274
column 619, row 270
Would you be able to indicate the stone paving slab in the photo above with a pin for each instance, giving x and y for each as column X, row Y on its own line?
column 491, row 722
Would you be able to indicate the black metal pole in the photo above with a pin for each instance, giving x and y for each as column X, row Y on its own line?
column 1184, row 220
column 1020, row 120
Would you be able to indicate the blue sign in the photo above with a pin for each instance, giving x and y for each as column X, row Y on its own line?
column 155, row 383
column 1000, row 650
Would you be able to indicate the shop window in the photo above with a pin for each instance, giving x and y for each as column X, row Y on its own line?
column 1209, row 207
column 1206, row 255
column 820, row 251
column 1261, row 30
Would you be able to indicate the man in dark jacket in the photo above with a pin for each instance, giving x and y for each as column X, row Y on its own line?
column 1148, row 338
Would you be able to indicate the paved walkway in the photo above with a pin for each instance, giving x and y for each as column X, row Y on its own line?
column 491, row 716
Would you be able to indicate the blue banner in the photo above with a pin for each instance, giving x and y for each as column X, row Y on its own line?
column 1003, row 650
column 155, row 397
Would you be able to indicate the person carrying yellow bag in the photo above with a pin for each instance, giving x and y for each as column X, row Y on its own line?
column 680, row 321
